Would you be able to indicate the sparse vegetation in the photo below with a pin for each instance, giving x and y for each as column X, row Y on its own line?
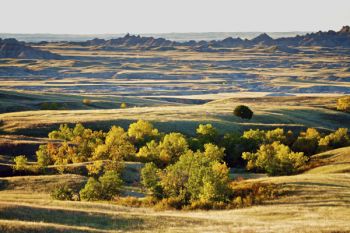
column 87, row 101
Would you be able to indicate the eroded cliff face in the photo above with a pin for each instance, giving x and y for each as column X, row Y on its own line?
column 11, row 48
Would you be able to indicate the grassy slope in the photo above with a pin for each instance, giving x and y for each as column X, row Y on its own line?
column 289, row 112
column 335, row 161
column 12, row 101
column 316, row 202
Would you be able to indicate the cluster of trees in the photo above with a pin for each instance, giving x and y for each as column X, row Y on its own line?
column 179, row 169
column 199, row 176
column 142, row 142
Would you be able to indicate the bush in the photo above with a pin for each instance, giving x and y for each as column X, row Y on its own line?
column 275, row 159
column 196, row 177
column 243, row 112
column 150, row 178
column 141, row 130
column 234, row 146
column 117, row 146
column 339, row 138
column 92, row 190
column 105, row 188
column 171, row 203
column 20, row 163
column 43, row 157
column 343, row 104
column 64, row 193
column 206, row 134
column 213, row 152
column 129, row 201
column 111, row 184
column 172, row 147
column 87, row 101
column 123, row 105
column 150, row 152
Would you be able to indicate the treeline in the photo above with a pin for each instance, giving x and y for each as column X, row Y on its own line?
column 181, row 171
column 142, row 142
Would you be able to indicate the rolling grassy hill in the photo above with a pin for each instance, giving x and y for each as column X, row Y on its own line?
column 269, row 112
column 316, row 201
column 14, row 101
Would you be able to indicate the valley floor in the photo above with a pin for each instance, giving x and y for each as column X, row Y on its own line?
column 315, row 203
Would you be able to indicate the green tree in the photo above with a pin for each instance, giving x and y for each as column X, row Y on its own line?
column 172, row 147
column 307, row 142
column 64, row 133
column 339, row 138
column 117, row 146
column 150, row 152
column 43, row 157
column 142, row 131
column 213, row 152
column 343, row 104
column 207, row 134
column 92, row 190
column 275, row 159
column 150, row 179
column 111, row 184
column 21, row 163
column 234, row 146
column 196, row 177
column 243, row 112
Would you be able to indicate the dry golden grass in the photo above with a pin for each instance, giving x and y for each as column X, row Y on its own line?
column 269, row 112
column 313, row 202
column 334, row 161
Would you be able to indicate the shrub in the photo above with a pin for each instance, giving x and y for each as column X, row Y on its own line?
column 43, row 157
column 343, row 104
column 150, row 152
column 117, row 146
column 110, row 184
column 307, row 142
column 123, row 105
column 105, row 188
column 141, row 129
column 87, row 101
column 275, row 159
column 234, row 146
column 206, row 134
column 339, row 138
column 129, row 201
column 213, row 152
column 256, row 137
column 172, row 147
column 64, row 133
column 171, row 203
column 150, row 177
column 95, row 168
column 196, row 177
column 243, row 112
column 20, row 163
column 63, row 193
column 92, row 190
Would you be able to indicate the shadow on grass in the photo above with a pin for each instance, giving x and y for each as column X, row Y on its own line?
column 70, row 218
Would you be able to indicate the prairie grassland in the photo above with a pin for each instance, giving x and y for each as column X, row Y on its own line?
column 335, row 161
column 269, row 112
column 315, row 203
